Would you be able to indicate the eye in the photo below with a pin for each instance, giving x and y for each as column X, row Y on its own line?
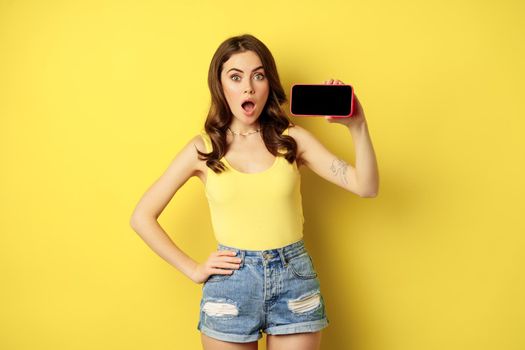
column 237, row 76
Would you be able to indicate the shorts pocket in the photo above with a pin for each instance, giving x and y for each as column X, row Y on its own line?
column 302, row 266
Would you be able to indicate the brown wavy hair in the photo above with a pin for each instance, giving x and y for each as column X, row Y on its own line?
column 273, row 119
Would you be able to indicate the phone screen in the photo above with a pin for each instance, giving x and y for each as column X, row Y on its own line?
column 334, row 100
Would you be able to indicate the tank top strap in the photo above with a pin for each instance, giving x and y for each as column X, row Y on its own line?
column 285, row 132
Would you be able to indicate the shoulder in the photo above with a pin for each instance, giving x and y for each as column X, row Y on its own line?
column 302, row 137
column 198, row 141
column 297, row 131
column 189, row 152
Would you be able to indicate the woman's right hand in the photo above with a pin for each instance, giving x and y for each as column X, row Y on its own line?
column 216, row 264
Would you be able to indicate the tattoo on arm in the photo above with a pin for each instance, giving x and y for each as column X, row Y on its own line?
column 339, row 167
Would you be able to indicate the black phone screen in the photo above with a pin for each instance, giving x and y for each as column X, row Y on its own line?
column 321, row 100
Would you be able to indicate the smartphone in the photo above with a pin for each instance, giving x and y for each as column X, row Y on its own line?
column 321, row 100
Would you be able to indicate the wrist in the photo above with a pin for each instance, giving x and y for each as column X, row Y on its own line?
column 193, row 271
column 357, row 127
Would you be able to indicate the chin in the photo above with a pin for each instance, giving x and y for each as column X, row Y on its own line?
column 248, row 120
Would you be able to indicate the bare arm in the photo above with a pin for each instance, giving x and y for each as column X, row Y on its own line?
column 367, row 175
column 363, row 179
column 144, row 217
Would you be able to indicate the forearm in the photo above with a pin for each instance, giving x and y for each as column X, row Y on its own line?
column 366, row 164
column 158, row 240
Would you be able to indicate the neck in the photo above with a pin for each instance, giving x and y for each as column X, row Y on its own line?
column 244, row 128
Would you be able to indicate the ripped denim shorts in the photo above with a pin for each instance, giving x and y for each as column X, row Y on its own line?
column 275, row 291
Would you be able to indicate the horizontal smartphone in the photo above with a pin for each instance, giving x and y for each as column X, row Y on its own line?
column 322, row 100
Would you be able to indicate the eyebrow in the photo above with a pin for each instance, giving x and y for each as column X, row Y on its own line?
column 242, row 71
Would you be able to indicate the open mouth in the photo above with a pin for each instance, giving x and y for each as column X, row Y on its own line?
column 248, row 106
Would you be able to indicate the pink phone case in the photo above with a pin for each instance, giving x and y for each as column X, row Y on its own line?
column 316, row 115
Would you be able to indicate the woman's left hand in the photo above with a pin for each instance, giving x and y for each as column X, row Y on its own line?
column 358, row 115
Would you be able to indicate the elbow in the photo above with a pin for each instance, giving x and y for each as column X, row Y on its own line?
column 139, row 220
column 133, row 222
column 369, row 193
column 136, row 221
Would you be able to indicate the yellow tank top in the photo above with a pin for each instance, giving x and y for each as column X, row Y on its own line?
column 255, row 211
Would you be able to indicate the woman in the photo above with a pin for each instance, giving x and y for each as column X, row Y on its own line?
column 261, row 278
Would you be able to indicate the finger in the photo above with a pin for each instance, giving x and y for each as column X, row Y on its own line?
column 227, row 252
column 226, row 265
column 221, row 272
column 220, row 262
column 224, row 259
column 225, row 256
column 230, row 259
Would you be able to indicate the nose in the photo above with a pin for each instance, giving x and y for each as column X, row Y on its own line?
column 248, row 88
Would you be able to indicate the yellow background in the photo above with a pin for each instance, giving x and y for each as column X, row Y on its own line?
column 97, row 97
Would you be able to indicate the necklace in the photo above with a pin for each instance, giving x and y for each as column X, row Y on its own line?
column 248, row 133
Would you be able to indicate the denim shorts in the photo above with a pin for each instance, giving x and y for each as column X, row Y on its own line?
column 275, row 291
